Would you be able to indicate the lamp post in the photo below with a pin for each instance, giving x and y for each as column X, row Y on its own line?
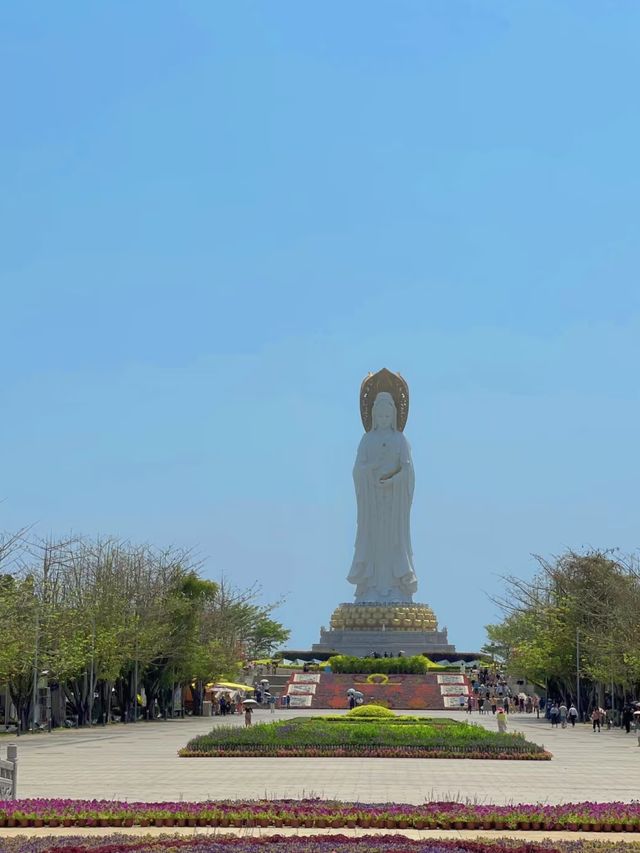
column 578, row 673
column 34, row 696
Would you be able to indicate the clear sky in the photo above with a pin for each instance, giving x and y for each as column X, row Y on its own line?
column 217, row 217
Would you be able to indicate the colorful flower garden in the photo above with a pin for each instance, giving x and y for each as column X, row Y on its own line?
column 301, row 844
column 317, row 813
column 344, row 737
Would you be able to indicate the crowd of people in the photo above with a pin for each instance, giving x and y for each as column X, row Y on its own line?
column 492, row 694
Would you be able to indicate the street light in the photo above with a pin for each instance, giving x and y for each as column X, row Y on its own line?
column 578, row 672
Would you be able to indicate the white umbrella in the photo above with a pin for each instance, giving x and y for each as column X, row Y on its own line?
column 249, row 702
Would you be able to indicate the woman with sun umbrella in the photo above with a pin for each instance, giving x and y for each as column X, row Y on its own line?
column 248, row 710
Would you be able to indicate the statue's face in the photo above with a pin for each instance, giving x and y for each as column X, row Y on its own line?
column 383, row 413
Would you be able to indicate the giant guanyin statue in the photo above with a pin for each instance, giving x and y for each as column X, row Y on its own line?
column 382, row 568
column 384, row 616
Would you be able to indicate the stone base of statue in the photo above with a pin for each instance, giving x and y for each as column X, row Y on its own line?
column 360, row 629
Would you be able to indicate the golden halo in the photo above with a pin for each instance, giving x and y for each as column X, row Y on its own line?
column 394, row 384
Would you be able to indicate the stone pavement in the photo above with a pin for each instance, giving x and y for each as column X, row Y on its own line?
column 139, row 762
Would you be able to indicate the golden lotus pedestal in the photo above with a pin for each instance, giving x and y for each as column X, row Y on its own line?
column 361, row 629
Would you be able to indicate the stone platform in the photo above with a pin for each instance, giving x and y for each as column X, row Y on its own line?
column 362, row 643
column 360, row 629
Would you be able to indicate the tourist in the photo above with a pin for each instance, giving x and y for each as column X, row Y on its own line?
column 494, row 704
column 627, row 717
column 562, row 714
column 596, row 717
column 481, row 704
column 572, row 713
column 505, row 705
column 272, row 703
column 554, row 714
column 461, row 701
column 247, row 715
column 501, row 718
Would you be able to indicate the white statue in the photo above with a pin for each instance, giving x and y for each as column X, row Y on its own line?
column 382, row 567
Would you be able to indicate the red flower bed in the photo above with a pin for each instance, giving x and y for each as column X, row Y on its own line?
column 610, row 817
column 301, row 844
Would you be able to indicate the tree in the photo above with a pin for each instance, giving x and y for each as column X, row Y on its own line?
column 590, row 598
column 104, row 620
column 266, row 635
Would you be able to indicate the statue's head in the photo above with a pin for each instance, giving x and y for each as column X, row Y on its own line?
column 384, row 411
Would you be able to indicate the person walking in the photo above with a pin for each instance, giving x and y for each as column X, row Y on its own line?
column 573, row 714
column 563, row 711
column 501, row 719
column 247, row 715
column 596, row 716
column 554, row 713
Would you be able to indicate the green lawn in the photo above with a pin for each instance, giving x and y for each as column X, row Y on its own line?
column 397, row 737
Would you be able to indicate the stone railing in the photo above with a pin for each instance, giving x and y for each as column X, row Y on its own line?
column 9, row 774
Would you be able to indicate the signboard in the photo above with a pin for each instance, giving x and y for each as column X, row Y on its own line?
column 449, row 678
column 300, row 702
column 454, row 689
column 302, row 689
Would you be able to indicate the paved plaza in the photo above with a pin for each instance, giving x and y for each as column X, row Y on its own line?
column 139, row 762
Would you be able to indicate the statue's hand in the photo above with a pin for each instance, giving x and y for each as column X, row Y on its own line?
column 386, row 477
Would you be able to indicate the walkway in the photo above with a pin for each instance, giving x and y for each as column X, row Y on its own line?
column 139, row 762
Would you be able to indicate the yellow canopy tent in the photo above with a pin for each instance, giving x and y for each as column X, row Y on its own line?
column 231, row 685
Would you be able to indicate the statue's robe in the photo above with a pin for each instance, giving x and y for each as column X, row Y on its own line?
column 382, row 567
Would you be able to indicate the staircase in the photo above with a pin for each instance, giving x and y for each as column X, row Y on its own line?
column 278, row 681
column 407, row 692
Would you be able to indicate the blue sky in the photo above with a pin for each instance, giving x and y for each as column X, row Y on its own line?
column 217, row 217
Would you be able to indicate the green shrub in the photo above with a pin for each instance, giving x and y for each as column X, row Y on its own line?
column 358, row 735
column 417, row 665
column 370, row 711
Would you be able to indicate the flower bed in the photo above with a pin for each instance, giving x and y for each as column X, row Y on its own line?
column 396, row 737
column 309, row 844
column 607, row 817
